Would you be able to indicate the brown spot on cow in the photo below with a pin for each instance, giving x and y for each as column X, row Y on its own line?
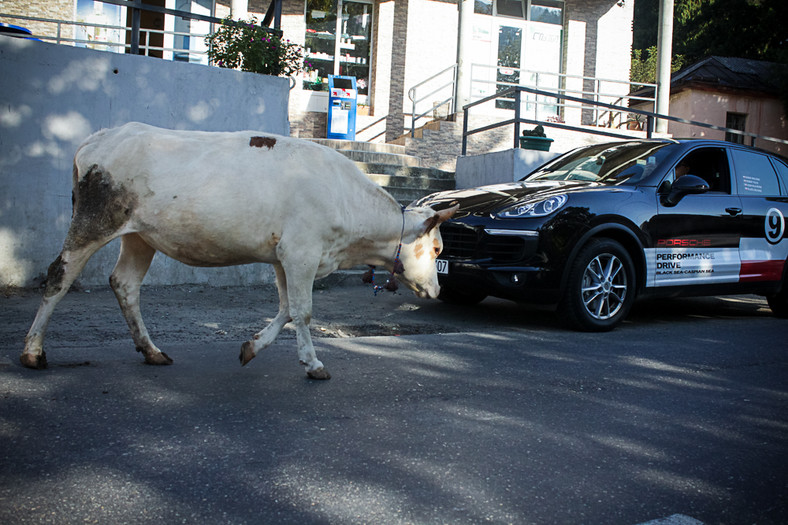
column 418, row 249
column 260, row 142
column 101, row 208
column 55, row 277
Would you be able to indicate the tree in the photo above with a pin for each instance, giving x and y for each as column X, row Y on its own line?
column 752, row 29
column 644, row 65
column 701, row 28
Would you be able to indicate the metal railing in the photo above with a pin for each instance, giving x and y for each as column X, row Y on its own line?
column 136, row 38
column 440, row 87
column 596, row 89
column 516, row 91
column 63, row 28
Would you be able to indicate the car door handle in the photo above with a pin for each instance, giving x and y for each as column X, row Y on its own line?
column 733, row 212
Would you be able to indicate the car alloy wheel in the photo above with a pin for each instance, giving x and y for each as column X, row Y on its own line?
column 600, row 286
column 604, row 286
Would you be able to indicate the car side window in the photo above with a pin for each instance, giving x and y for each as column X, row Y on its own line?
column 754, row 174
column 782, row 171
column 710, row 164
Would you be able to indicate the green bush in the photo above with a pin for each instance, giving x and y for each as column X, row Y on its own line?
column 644, row 65
column 250, row 47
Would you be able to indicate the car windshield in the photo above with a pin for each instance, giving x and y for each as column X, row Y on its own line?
column 627, row 162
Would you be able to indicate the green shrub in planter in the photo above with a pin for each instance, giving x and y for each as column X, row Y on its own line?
column 249, row 47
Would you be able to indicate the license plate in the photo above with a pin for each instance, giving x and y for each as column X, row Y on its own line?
column 442, row 266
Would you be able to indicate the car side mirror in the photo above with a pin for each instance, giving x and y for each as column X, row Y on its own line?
column 686, row 185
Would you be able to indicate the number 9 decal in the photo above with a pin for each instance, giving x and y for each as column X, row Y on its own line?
column 775, row 225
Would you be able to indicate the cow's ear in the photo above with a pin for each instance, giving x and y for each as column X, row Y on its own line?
column 439, row 217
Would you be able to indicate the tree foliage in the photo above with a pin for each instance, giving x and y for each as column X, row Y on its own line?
column 644, row 65
column 701, row 28
column 752, row 29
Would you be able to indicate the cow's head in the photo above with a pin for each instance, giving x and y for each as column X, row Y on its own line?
column 421, row 245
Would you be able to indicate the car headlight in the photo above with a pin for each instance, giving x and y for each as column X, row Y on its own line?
column 534, row 209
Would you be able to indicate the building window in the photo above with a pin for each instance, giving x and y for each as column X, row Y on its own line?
column 483, row 7
column 735, row 121
column 510, row 8
column 546, row 11
column 339, row 45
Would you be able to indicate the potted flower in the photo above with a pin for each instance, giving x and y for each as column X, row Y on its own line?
column 535, row 139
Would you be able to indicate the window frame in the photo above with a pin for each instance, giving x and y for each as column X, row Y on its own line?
column 526, row 8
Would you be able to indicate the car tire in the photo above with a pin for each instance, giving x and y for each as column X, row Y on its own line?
column 779, row 303
column 600, row 287
column 454, row 296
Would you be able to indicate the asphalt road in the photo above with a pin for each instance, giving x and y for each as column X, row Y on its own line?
column 435, row 414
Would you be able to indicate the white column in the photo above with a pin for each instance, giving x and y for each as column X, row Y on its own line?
column 464, row 36
column 239, row 9
column 664, row 55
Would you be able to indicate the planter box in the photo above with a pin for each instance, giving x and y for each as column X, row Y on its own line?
column 535, row 143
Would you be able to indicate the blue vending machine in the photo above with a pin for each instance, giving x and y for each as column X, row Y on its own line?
column 342, row 95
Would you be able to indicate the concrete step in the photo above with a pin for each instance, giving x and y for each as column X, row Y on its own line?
column 361, row 146
column 371, row 152
column 404, row 171
column 392, row 181
column 407, row 184
column 389, row 166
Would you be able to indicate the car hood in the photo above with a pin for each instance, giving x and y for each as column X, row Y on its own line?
column 489, row 199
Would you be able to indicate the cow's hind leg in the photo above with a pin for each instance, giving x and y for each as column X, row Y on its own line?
column 133, row 263
column 268, row 334
column 60, row 276
column 300, row 278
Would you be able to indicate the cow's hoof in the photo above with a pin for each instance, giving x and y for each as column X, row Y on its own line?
column 320, row 373
column 37, row 362
column 247, row 352
column 159, row 358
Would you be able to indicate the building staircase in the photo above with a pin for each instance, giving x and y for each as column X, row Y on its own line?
column 389, row 165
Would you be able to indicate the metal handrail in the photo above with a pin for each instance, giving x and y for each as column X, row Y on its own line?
column 371, row 125
column 412, row 95
column 562, row 79
column 61, row 39
column 517, row 120
column 136, row 8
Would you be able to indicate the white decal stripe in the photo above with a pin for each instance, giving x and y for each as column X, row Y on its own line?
column 753, row 249
column 682, row 266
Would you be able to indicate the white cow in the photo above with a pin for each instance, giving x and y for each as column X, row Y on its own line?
column 220, row 199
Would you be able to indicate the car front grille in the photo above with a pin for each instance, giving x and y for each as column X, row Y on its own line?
column 463, row 243
column 458, row 242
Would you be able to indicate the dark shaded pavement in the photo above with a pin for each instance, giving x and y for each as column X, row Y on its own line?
column 486, row 414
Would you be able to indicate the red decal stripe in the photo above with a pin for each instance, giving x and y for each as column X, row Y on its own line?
column 761, row 271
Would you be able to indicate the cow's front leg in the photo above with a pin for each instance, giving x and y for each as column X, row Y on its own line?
column 300, row 279
column 267, row 335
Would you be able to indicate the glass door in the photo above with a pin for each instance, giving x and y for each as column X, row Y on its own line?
column 338, row 45
column 510, row 43
column 354, row 45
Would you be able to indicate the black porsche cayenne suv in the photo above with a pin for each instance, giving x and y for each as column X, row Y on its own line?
column 600, row 225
